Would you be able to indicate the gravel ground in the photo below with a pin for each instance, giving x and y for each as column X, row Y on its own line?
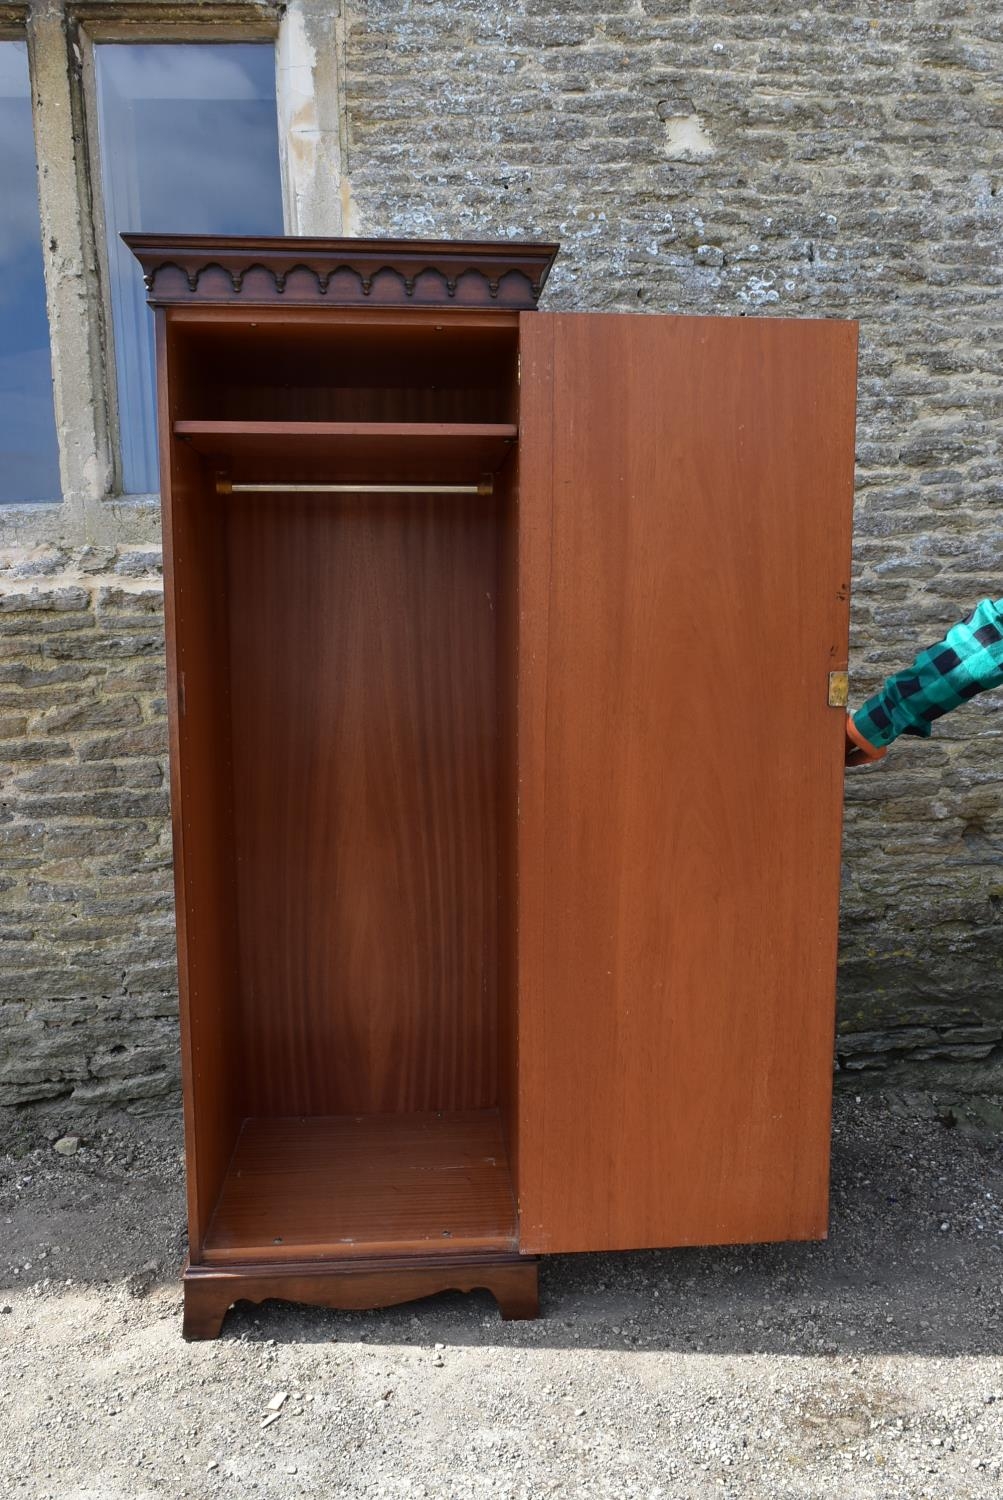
column 869, row 1366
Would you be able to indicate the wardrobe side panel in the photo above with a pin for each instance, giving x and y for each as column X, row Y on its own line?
column 201, row 805
column 685, row 599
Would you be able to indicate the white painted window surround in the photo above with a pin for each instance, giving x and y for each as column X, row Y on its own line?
column 312, row 130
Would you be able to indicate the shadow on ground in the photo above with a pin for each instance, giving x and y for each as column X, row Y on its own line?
column 914, row 1262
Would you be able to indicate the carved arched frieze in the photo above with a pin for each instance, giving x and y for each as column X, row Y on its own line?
column 342, row 273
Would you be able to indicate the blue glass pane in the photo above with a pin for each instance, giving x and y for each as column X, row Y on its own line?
column 29, row 459
column 189, row 145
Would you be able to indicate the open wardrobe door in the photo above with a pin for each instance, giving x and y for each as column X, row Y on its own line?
column 685, row 510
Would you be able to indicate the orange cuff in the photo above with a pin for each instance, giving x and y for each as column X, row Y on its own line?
column 863, row 752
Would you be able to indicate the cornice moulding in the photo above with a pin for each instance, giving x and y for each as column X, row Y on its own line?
column 506, row 274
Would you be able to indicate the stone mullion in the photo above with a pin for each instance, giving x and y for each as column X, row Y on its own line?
column 310, row 94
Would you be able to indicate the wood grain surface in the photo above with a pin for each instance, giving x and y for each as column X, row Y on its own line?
column 285, row 364
column 343, row 452
column 684, row 581
column 198, row 700
column 446, row 274
column 506, row 831
column 364, row 730
column 370, row 1185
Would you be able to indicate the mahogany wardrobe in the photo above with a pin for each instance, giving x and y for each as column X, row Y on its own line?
column 506, row 658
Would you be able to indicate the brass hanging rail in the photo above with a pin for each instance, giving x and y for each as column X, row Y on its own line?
column 485, row 486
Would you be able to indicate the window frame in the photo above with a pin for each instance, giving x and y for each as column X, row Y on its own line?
column 91, row 507
column 89, row 27
column 13, row 23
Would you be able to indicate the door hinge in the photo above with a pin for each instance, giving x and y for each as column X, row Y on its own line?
column 839, row 689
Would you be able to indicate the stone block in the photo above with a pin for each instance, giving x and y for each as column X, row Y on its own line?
column 34, row 600
column 96, row 713
column 107, row 1092
column 146, row 740
column 96, row 647
column 130, row 601
column 139, row 562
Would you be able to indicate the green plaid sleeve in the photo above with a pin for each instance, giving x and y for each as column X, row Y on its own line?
column 967, row 661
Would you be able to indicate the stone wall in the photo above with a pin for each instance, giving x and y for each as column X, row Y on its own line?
column 737, row 158
column 776, row 160
column 89, row 985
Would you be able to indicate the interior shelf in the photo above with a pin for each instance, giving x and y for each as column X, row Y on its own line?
column 344, row 1185
column 362, row 451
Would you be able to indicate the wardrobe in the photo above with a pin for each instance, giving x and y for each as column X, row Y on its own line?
column 506, row 662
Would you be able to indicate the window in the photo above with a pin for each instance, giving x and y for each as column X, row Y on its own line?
column 188, row 140
column 29, row 458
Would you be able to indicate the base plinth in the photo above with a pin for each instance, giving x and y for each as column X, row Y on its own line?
column 210, row 1291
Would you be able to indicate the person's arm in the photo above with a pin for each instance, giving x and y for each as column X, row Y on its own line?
column 969, row 660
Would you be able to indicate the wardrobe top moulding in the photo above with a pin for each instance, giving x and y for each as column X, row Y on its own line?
column 502, row 275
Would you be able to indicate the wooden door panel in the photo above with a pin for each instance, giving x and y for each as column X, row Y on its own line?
column 684, row 567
